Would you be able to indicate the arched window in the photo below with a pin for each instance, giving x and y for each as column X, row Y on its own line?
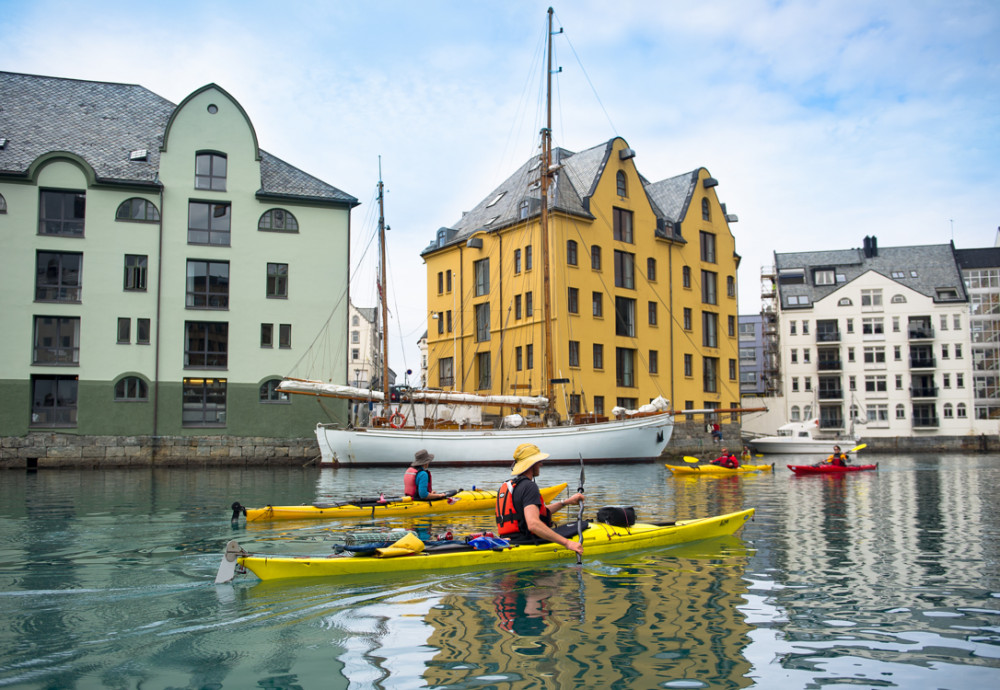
column 571, row 252
column 948, row 412
column 900, row 412
column 730, row 286
column 269, row 392
column 706, row 211
column 355, row 321
column 136, row 210
column 899, row 299
column 807, row 412
column 278, row 220
column 210, row 171
column 3, row 204
column 622, row 184
column 960, row 411
column 131, row 389
column 686, row 276
column 595, row 257
column 795, row 413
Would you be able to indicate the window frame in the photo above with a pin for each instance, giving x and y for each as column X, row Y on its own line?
column 220, row 236
column 71, row 219
column 216, row 181
column 64, row 290
column 277, row 281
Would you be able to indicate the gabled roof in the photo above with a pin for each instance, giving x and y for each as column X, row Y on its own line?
column 575, row 182
column 103, row 123
column 921, row 268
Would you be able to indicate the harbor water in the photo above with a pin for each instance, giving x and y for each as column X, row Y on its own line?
column 882, row 579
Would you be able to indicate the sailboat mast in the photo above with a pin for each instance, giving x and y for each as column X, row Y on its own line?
column 381, row 292
column 546, row 178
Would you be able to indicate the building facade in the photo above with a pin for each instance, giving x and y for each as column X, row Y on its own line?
column 161, row 271
column 753, row 378
column 877, row 341
column 641, row 297
column 981, row 272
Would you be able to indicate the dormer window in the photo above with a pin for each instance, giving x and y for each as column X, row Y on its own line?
column 210, row 171
column 823, row 277
column 496, row 199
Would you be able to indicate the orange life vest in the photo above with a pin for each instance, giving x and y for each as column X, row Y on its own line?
column 510, row 520
column 410, row 481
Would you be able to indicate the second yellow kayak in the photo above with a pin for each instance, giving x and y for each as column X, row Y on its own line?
column 717, row 470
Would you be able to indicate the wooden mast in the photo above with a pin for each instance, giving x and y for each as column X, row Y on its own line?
column 381, row 294
column 546, row 179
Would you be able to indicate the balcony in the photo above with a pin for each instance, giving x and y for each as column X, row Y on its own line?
column 917, row 332
column 919, row 362
column 830, row 365
column 831, row 394
column 828, row 337
column 926, row 422
column 924, row 391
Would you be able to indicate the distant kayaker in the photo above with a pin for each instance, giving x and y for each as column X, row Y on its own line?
column 727, row 459
column 522, row 514
column 745, row 458
column 417, row 480
column 838, row 459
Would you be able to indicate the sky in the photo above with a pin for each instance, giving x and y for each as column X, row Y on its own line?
column 823, row 120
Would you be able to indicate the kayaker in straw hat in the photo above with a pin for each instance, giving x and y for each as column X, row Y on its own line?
column 522, row 514
column 417, row 480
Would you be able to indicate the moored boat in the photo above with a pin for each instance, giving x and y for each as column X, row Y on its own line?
column 827, row 468
column 799, row 437
column 461, row 502
column 717, row 469
column 598, row 539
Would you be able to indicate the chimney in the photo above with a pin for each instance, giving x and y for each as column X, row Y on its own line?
column 874, row 246
column 867, row 247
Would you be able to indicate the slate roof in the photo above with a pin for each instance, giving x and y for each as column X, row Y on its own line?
column 988, row 257
column 924, row 269
column 575, row 183
column 102, row 123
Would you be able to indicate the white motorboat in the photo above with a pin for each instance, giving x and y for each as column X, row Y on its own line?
column 801, row 437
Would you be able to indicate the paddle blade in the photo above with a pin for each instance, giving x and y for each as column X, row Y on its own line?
column 690, row 460
column 858, row 447
column 227, row 568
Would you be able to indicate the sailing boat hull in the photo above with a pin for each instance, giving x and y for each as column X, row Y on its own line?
column 639, row 439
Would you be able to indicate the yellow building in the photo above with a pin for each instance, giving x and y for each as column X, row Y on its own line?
column 642, row 296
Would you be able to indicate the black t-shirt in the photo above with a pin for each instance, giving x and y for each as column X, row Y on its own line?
column 526, row 493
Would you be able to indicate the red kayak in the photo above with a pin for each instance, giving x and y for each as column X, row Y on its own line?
column 826, row 468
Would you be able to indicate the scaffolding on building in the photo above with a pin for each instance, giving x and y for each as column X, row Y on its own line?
column 771, row 351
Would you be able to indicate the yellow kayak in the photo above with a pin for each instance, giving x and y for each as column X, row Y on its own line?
column 717, row 470
column 461, row 502
column 598, row 539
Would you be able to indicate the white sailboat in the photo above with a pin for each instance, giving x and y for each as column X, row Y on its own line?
column 628, row 436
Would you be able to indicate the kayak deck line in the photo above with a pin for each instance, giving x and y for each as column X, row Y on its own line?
column 598, row 539
column 461, row 502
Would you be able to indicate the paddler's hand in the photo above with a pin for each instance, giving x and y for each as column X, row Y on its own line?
column 574, row 546
column 573, row 500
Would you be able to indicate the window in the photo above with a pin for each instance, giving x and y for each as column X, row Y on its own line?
column 57, row 340
column 960, row 411
column 529, row 357
column 285, row 335
column 440, row 282
column 957, row 322
column 136, row 266
column 900, row 412
column 447, row 315
column 3, row 204
column 482, row 322
column 571, row 252
column 598, row 404
column 136, row 210
column 654, row 362
column 688, row 366
column 625, row 316
column 529, row 309
column 574, row 353
column 58, row 276
column 871, row 300
column 131, row 389
column 895, row 324
column 944, row 351
column 651, row 269
column 622, row 225
column 598, row 304
column 624, row 270
column 687, row 318
column 517, row 263
column 652, row 313
column 204, row 402
column 595, row 258
column 142, row 331
column 355, row 354
column 207, row 284
column 875, row 356
column 61, row 213
column 124, row 331
column 446, row 372
column 517, row 307
column 878, row 414
column 875, row 384
column 267, row 335
column 748, row 330
column 709, row 295
column 709, row 329
column 598, row 356
column 447, row 280
column 897, row 353
column 686, row 276
column 946, row 380
column 792, row 327
column 277, row 281
column 269, row 392
column 731, row 320
column 620, row 183
column 483, row 370
column 872, row 326
column 53, row 400
column 732, row 371
column 707, row 247
column 805, row 327
column 794, row 354
column 959, row 380
column 277, row 220
column 527, row 258
column 748, row 378
column 948, row 411
column 944, row 322
column 850, row 354
column 519, row 358
column 823, row 277
column 482, row 272
column 706, row 209
column 748, row 354
column 730, row 286
column 710, row 374
column 209, row 223
column 206, row 344
column 210, row 171
column 850, row 325
column 573, row 300
column 898, row 299
column 808, row 382
column 795, row 384
column 795, row 413
column 625, row 367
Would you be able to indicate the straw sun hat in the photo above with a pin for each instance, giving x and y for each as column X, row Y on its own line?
column 526, row 456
